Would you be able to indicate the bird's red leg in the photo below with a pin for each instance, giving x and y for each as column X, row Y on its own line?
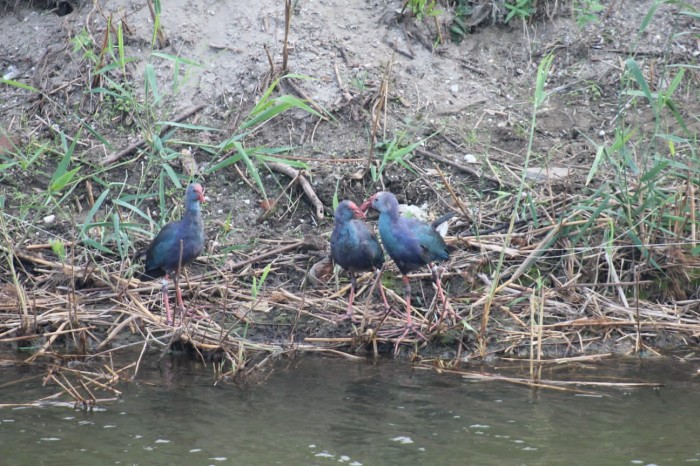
column 409, row 319
column 193, row 312
column 166, row 301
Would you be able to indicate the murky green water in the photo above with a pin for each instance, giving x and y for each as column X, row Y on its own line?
column 329, row 412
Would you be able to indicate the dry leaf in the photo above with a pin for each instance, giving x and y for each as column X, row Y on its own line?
column 189, row 164
column 321, row 271
column 267, row 204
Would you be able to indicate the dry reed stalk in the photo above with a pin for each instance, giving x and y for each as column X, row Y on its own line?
column 549, row 384
column 287, row 25
column 48, row 343
column 18, row 288
column 378, row 108
column 567, row 360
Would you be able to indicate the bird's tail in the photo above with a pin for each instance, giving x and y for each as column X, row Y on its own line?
column 147, row 275
column 439, row 221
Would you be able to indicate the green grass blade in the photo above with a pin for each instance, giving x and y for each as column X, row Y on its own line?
column 95, row 245
column 655, row 170
column 224, row 163
column 650, row 14
column 596, row 162
column 176, row 59
column 175, row 124
column 133, row 208
column 542, row 74
column 63, row 180
column 252, row 169
column 120, row 47
column 291, row 163
column 151, row 83
column 171, row 173
column 638, row 76
column 95, row 134
column 93, row 211
column 26, row 87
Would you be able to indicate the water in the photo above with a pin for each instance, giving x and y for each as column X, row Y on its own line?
column 328, row 412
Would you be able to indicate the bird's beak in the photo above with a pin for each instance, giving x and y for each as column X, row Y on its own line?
column 202, row 198
column 365, row 205
column 359, row 213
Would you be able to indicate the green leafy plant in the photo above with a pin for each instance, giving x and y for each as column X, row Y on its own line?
column 636, row 197
column 82, row 42
column 20, row 158
column 59, row 249
column 585, row 12
column 460, row 27
column 62, row 176
column 359, row 80
column 233, row 150
column 423, row 8
column 393, row 153
column 258, row 283
column 521, row 9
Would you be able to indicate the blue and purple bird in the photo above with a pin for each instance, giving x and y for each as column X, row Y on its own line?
column 409, row 242
column 176, row 245
column 355, row 248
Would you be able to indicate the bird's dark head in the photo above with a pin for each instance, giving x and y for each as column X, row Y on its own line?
column 383, row 201
column 348, row 210
column 195, row 192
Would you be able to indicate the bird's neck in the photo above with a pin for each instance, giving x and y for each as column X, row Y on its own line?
column 193, row 212
column 391, row 214
column 388, row 223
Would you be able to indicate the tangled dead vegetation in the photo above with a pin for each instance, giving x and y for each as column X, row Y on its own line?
column 579, row 302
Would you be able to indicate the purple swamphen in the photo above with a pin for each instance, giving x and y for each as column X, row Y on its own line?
column 409, row 242
column 176, row 245
column 355, row 248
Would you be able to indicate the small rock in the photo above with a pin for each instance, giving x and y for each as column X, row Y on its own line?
column 49, row 219
column 11, row 72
